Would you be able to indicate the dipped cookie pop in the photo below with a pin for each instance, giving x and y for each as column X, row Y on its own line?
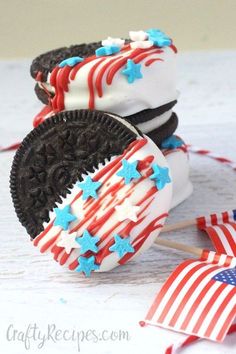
column 135, row 79
column 91, row 189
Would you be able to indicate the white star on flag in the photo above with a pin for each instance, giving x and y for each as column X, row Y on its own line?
column 68, row 241
column 127, row 211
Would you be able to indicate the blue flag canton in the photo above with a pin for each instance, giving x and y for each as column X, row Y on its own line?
column 226, row 276
column 234, row 214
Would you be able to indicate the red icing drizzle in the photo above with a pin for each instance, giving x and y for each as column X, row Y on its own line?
column 142, row 56
column 173, row 47
column 150, row 61
column 96, row 224
column 98, row 82
column 39, row 118
column 50, row 242
column 118, row 65
column 108, row 170
column 39, row 76
column 60, row 77
column 38, row 238
column 91, row 104
column 77, row 67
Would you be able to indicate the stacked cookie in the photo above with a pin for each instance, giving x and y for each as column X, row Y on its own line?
column 90, row 183
column 133, row 78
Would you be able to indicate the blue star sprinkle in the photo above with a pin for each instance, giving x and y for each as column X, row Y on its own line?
column 227, row 276
column 132, row 71
column 71, row 61
column 129, row 171
column 121, row 246
column 107, row 50
column 171, row 143
column 161, row 176
column 63, row 217
column 86, row 265
column 89, row 188
column 159, row 38
column 87, row 242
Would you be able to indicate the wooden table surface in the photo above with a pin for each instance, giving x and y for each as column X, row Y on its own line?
column 34, row 289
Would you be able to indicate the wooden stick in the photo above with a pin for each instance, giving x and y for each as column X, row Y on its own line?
column 179, row 225
column 179, row 246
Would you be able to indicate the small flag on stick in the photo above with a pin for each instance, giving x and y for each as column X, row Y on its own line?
column 199, row 297
column 223, row 237
column 220, row 227
column 216, row 219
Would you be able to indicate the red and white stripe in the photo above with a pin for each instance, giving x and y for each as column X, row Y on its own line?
column 223, row 237
column 176, row 348
column 213, row 156
column 216, row 219
column 191, row 302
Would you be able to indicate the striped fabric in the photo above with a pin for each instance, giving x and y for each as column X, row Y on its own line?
column 216, row 219
column 221, row 228
column 176, row 348
column 219, row 158
column 199, row 297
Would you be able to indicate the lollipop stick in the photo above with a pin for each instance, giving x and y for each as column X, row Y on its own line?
column 179, row 246
column 179, row 225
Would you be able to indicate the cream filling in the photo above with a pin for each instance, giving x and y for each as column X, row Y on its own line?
column 125, row 123
column 155, row 123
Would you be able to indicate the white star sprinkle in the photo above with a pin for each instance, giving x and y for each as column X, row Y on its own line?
column 127, row 211
column 68, row 241
column 118, row 42
column 141, row 44
column 138, row 35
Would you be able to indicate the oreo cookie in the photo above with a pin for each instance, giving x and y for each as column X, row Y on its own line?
column 149, row 114
column 164, row 131
column 45, row 63
column 56, row 154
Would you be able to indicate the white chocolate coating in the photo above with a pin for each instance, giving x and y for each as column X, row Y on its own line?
column 152, row 206
column 178, row 162
column 156, row 88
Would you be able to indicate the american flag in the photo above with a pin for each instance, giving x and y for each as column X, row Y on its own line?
column 176, row 348
column 199, row 297
column 221, row 228
column 216, row 219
